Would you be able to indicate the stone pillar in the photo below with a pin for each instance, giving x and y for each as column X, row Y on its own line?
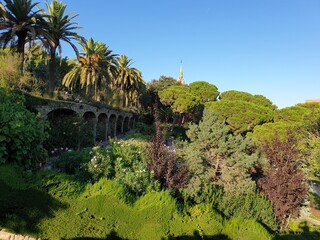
column 122, row 124
column 115, row 126
column 94, row 130
column 107, row 129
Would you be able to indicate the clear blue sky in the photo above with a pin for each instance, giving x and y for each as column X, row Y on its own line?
column 268, row 47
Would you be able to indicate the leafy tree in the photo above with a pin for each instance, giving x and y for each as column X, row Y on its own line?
column 162, row 83
column 205, row 91
column 38, row 70
column 283, row 182
column 310, row 146
column 21, row 134
column 295, row 114
column 150, row 96
column 96, row 62
column 181, row 101
column 268, row 131
column 215, row 155
column 241, row 116
column 19, row 21
column 58, row 27
column 128, row 79
column 260, row 100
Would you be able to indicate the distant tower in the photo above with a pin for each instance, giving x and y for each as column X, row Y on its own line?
column 181, row 79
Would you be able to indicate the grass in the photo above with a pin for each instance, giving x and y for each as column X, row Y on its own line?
column 55, row 206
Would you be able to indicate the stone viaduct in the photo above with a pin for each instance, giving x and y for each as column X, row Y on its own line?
column 113, row 121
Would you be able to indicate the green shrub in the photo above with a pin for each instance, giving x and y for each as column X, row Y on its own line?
column 200, row 218
column 74, row 163
column 111, row 188
column 101, row 164
column 58, row 185
column 250, row 206
column 244, row 229
column 13, row 176
column 124, row 162
column 10, row 73
column 21, row 134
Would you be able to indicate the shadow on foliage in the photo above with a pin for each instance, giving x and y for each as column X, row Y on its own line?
column 196, row 235
column 303, row 234
column 112, row 236
column 22, row 210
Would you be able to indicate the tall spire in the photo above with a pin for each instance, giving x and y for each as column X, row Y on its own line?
column 181, row 79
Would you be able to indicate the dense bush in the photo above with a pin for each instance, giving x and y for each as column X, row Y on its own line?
column 250, row 206
column 21, row 134
column 124, row 162
column 69, row 131
column 73, row 163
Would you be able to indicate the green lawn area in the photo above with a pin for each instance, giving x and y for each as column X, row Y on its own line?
column 55, row 206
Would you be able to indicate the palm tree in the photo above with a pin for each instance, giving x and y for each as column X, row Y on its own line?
column 18, row 23
column 95, row 63
column 58, row 26
column 128, row 79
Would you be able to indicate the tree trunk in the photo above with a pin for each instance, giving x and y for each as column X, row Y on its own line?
column 95, row 90
column 52, row 69
column 127, row 100
column 20, row 48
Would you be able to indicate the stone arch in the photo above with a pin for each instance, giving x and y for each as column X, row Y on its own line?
column 59, row 113
column 90, row 126
column 120, row 123
column 64, row 128
column 102, row 127
column 113, row 125
column 126, row 122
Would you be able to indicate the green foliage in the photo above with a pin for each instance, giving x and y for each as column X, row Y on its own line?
column 68, row 131
column 180, row 99
column 37, row 67
column 124, row 162
column 260, row 100
column 240, row 115
column 54, row 206
column 10, row 73
column 215, row 155
column 13, row 176
column 294, row 114
column 268, row 131
column 200, row 218
column 74, row 163
column 58, row 185
column 251, row 205
column 21, row 134
column 107, row 187
column 161, row 84
column 205, row 91
column 245, row 229
column 101, row 164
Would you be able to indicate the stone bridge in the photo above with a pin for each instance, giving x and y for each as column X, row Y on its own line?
column 112, row 121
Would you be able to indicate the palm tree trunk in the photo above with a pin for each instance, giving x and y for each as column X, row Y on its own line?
column 127, row 99
column 52, row 70
column 95, row 90
column 20, row 49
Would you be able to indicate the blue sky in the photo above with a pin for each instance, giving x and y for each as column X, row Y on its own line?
column 268, row 47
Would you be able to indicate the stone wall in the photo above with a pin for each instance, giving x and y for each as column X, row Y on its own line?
column 10, row 236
